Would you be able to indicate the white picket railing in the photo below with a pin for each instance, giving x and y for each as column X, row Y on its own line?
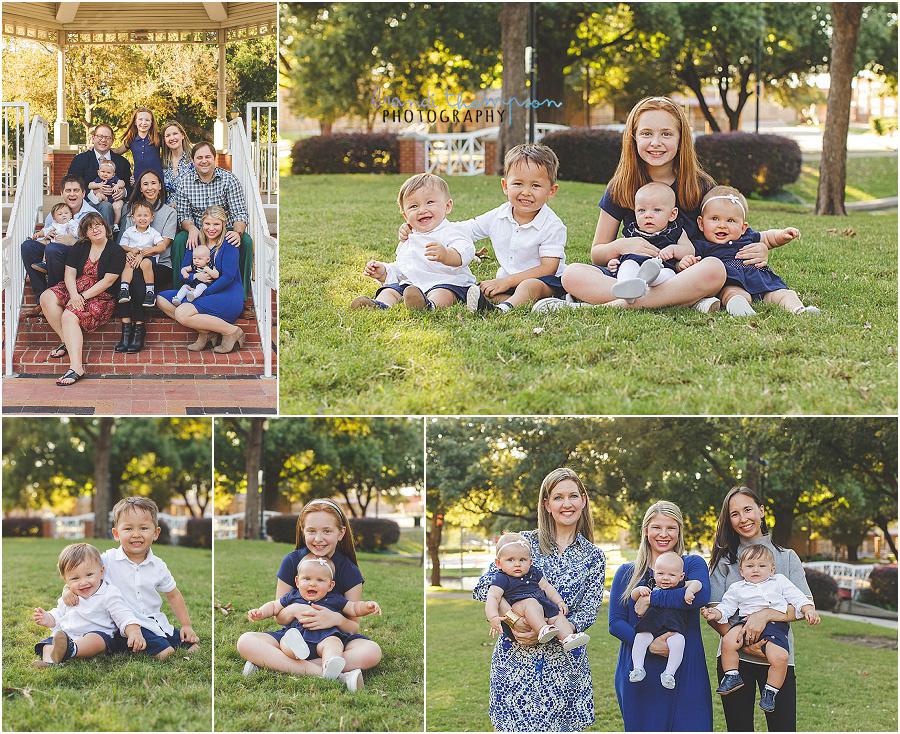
column 265, row 247
column 462, row 154
column 225, row 527
column 13, row 131
column 262, row 132
column 26, row 211
column 848, row 576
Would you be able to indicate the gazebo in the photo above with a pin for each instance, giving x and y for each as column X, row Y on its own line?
column 69, row 24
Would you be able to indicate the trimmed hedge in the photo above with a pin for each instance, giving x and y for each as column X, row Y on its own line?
column 586, row 155
column 347, row 153
column 22, row 527
column 824, row 589
column 165, row 536
column 198, row 533
column 374, row 533
column 282, row 528
column 750, row 162
column 882, row 591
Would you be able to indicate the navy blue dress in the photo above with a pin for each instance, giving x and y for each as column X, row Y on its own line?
column 145, row 156
column 525, row 587
column 663, row 238
column 756, row 281
column 659, row 620
column 224, row 297
column 647, row 706
column 543, row 687
column 332, row 601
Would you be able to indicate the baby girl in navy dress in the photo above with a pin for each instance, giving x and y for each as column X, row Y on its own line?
column 315, row 580
column 667, row 574
column 723, row 224
column 529, row 594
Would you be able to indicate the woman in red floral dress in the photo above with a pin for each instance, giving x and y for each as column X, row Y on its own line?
column 84, row 301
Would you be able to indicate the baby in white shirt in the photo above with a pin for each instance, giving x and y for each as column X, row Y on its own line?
column 431, row 268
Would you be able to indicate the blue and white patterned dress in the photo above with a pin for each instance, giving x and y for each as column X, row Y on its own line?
column 543, row 687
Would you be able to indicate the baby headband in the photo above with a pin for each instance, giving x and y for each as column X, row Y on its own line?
column 320, row 561
column 326, row 502
column 731, row 197
column 513, row 542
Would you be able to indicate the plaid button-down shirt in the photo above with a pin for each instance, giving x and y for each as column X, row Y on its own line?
column 193, row 196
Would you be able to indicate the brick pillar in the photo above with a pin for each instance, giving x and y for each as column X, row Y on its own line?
column 88, row 528
column 412, row 154
column 490, row 157
column 46, row 528
column 223, row 160
column 59, row 158
column 240, row 529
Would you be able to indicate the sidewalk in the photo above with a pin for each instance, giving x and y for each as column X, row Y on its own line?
column 889, row 623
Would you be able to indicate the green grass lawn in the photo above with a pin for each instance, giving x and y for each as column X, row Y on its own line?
column 392, row 699
column 841, row 686
column 585, row 361
column 868, row 177
column 123, row 692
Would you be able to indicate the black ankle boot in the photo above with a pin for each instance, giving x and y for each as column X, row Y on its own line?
column 137, row 339
column 126, row 337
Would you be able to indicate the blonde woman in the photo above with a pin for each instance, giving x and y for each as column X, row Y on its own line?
column 543, row 687
column 646, row 705
column 215, row 311
column 176, row 153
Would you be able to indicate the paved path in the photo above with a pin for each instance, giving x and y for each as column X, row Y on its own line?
column 889, row 623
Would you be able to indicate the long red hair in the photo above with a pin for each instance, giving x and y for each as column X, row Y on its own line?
column 131, row 131
column 345, row 545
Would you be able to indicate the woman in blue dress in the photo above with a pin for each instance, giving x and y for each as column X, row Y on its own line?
column 215, row 311
column 647, row 705
column 543, row 687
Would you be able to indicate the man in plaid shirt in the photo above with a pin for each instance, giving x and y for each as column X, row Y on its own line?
column 204, row 186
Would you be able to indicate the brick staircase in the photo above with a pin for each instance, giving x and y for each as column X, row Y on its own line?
column 165, row 352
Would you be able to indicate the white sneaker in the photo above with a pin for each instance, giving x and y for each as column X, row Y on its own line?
column 294, row 642
column 333, row 667
column 546, row 305
column 806, row 309
column 667, row 680
column 353, row 679
column 637, row 675
column 576, row 639
column 630, row 288
column 710, row 304
column 250, row 668
column 739, row 306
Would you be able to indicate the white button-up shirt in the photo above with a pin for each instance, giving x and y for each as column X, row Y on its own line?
column 132, row 237
column 103, row 611
column 776, row 592
column 141, row 585
column 411, row 266
column 519, row 247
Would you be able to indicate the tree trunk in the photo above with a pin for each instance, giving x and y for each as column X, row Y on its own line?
column 688, row 74
column 783, row 517
column 845, row 18
column 852, row 553
column 433, row 541
column 551, row 84
column 102, row 448
column 882, row 522
column 252, row 462
column 513, row 31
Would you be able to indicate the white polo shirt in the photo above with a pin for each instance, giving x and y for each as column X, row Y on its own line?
column 519, row 247
column 103, row 611
column 776, row 592
column 411, row 266
column 141, row 585
column 133, row 237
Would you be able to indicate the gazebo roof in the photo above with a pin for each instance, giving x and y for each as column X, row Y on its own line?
column 138, row 22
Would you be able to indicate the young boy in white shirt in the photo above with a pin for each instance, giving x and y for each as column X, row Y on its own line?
column 528, row 238
column 431, row 266
column 141, row 577
column 87, row 629
column 761, row 588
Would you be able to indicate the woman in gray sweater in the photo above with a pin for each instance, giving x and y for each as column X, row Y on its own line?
column 742, row 523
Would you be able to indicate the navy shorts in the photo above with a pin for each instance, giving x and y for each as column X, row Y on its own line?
column 155, row 643
column 554, row 282
column 603, row 270
column 107, row 638
column 458, row 290
column 776, row 632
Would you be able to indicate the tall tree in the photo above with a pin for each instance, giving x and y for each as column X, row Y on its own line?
column 253, row 461
column 833, row 167
column 513, row 32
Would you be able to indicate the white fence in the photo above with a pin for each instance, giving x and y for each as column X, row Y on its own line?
column 262, row 133
column 13, row 131
column 225, row 527
column 853, row 578
column 462, row 154
column 73, row 527
column 25, row 213
column 265, row 247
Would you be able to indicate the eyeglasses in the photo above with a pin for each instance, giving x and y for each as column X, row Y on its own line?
column 97, row 225
column 103, row 137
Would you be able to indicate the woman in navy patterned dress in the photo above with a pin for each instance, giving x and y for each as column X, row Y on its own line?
column 646, row 705
column 543, row 687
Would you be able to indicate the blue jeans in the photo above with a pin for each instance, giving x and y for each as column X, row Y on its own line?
column 54, row 254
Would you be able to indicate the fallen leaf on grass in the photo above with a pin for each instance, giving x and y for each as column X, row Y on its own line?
column 833, row 275
column 753, row 325
column 867, row 325
column 537, row 330
column 147, row 686
column 482, row 253
column 862, row 672
column 26, row 692
column 863, row 391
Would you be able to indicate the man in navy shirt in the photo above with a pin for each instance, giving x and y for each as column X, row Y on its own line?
column 85, row 166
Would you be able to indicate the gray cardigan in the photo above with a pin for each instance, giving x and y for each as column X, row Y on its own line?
column 724, row 574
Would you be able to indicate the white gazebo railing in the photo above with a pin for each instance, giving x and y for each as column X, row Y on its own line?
column 12, row 147
column 265, row 247
column 262, row 132
column 850, row 577
column 462, row 154
column 225, row 527
column 25, row 214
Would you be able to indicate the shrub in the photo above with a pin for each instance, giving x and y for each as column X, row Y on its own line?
column 824, row 589
column 585, row 155
column 750, row 162
column 282, row 528
column 198, row 533
column 22, row 527
column 882, row 591
column 374, row 533
column 347, row 153
column 884, row 125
